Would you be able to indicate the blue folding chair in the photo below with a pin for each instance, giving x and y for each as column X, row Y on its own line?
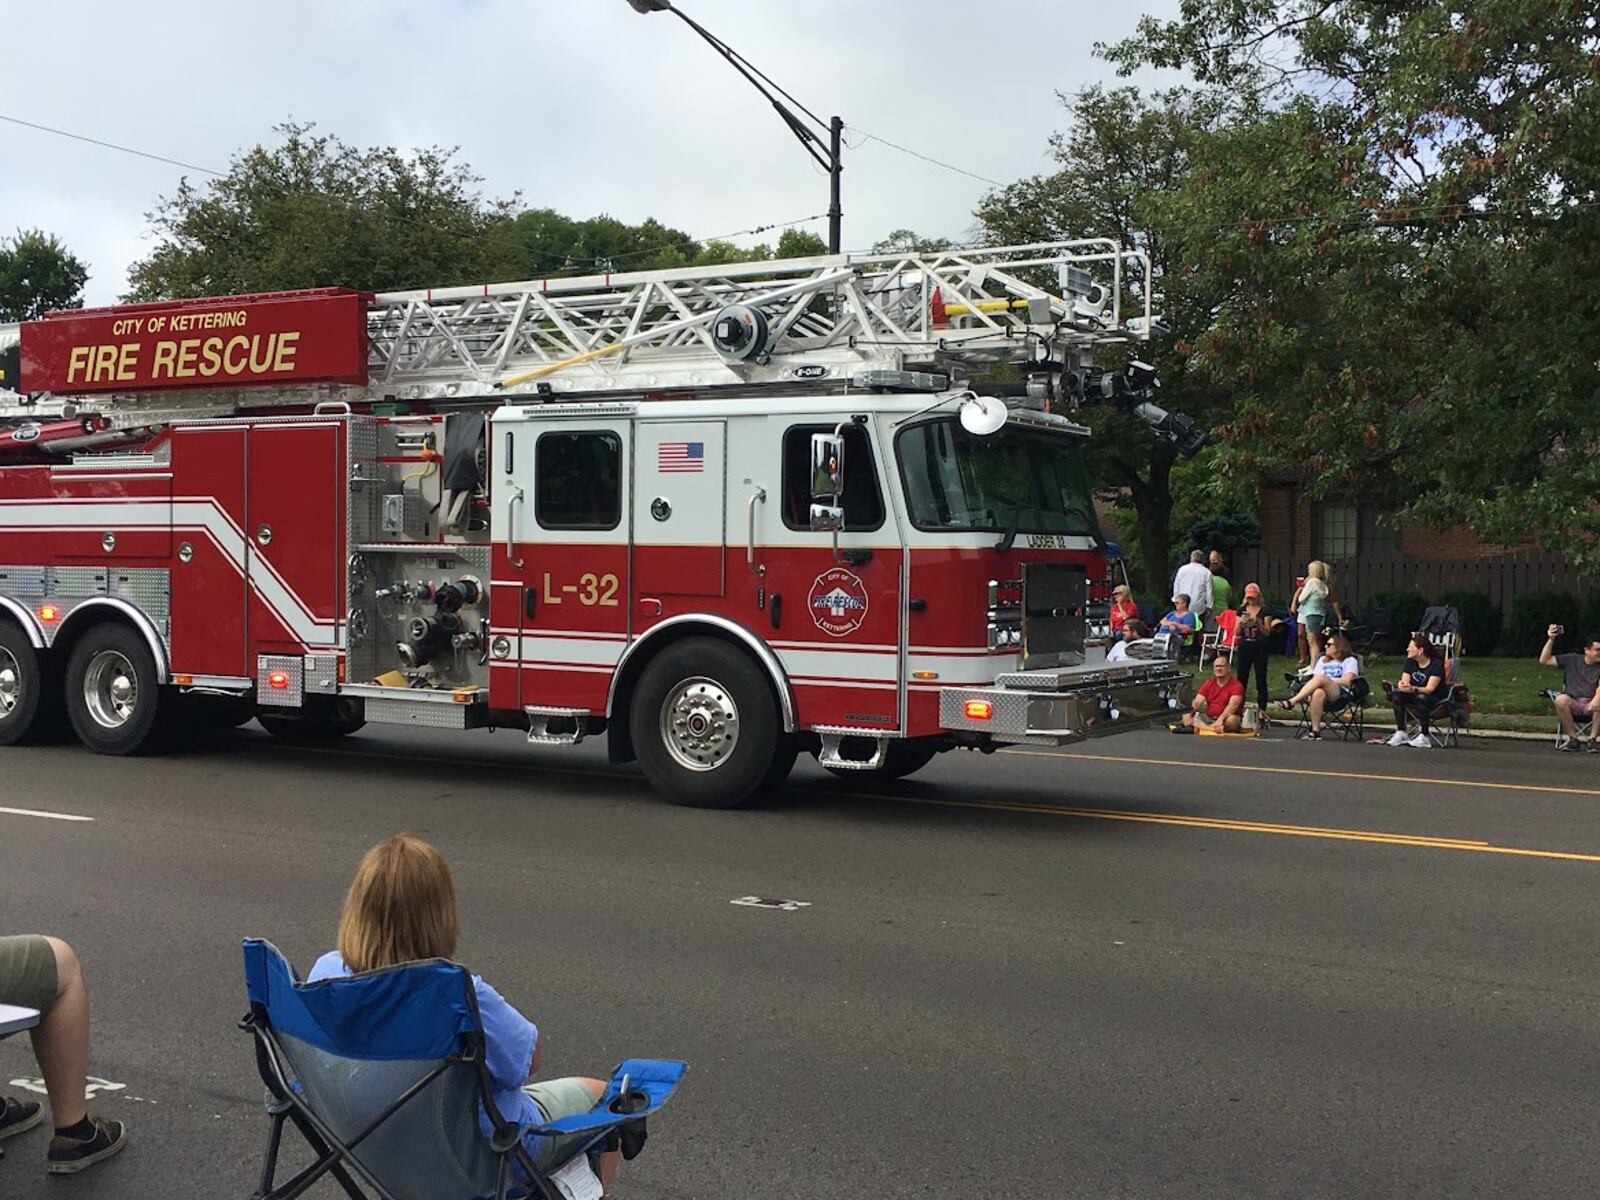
column 385, row 1077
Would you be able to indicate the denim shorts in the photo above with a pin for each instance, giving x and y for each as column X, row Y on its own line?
column 1314, row 622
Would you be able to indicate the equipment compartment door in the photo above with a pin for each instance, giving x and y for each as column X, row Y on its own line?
column 296, row 537
column 209, row 466
column 562, row 526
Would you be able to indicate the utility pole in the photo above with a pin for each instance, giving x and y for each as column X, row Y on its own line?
column 828, row 154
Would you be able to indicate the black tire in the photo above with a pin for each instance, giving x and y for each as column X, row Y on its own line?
column 24, row 710
column 113, row 699
column 706, row 682
column 312, row 724
column 902, row 757
column 210, row 716
column 778, row 771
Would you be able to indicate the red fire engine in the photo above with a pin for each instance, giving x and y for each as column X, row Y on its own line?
column 719, row 515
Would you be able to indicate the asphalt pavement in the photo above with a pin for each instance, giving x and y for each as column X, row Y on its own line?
column 1149, row 966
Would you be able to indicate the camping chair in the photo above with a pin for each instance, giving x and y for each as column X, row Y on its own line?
column 1345, row 719
column 384, row 1075
column 1443, row 626
column 1451, row 708
column 1377, row 626
column 1581, row 727
column 1222, row 637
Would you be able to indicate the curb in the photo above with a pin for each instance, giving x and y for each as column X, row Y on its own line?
column 1516, row 735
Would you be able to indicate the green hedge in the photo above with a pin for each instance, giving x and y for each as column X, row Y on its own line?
column 1534, row 612
column 1481, row 621
column 1406, row 606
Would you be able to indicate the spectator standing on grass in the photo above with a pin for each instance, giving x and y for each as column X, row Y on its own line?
column 1221, row 589
column 1218, row 703
column 1579, row 696
column 1132, row 631
column 44, row 973
column 1194, row 581
column 1312, row 603
column 1252, row 642
column 1416, row 692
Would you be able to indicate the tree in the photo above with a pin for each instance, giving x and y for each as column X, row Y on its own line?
column 315, row 212
column 37, row 274
column 1121, row 157
column 800, row 243
column 1417, row 262
column 907, row 241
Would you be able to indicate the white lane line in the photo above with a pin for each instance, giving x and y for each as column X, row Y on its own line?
column 49, row 816
column 762, row 902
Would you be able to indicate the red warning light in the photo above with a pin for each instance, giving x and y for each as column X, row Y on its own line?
column 978, row 710
column 279, row 680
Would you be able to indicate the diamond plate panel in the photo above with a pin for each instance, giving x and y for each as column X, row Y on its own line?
column 321, row 675
column 425, row 716
column 76, row 583
column 26, row 584
column 149, row 590
column 291, row 665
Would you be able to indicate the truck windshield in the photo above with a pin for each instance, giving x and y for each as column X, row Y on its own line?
column 1018, row 480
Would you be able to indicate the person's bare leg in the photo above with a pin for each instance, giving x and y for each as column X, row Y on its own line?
column 608, row 1161
column 61, row 1040
column 1563, row 704
column 1319, row 698
column 1233, row 724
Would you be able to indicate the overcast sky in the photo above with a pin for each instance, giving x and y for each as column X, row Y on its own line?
column 581, row 105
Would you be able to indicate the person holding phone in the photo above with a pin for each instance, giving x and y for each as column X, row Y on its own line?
column 1579, row 697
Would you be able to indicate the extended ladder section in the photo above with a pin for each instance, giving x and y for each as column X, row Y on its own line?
column 918, row 321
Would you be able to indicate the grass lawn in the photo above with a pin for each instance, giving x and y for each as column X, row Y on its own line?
column 1498, row 685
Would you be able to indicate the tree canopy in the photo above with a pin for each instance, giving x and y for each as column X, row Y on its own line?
column 37, row 274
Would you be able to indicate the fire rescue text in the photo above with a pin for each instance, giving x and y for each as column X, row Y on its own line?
column 166, row 357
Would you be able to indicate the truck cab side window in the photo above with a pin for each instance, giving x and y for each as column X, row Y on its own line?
column 578, row 481
column 863, row 502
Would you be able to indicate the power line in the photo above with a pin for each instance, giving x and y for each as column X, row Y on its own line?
column 872, row 137
column 78, row 137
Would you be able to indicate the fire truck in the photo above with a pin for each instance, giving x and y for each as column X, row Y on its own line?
column 719, row 516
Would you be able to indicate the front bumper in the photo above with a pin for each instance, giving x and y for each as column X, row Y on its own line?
column 1057, row 706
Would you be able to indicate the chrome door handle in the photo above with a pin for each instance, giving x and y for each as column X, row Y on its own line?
column 759, row 496
column 518, row 498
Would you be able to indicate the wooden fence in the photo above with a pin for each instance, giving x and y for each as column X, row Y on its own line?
column 1503, row 578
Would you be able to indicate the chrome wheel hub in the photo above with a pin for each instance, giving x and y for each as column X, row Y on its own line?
column 110, row 689
column 10, row 683
column 699, row 724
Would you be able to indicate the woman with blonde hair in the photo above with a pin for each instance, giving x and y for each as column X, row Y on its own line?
column 401, row 908
column 1312, row 603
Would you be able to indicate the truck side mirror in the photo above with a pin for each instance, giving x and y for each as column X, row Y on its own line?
column 827, row 482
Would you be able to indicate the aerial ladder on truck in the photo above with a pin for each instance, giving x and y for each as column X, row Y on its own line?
column 540, row 503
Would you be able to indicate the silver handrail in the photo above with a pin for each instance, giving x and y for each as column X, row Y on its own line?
column 759, row 496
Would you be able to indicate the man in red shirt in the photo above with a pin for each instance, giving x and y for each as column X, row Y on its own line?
column 1219, row 703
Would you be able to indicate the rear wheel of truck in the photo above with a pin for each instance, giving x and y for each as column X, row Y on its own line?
column 113, row 696
column 705, row 725
column 30, row 700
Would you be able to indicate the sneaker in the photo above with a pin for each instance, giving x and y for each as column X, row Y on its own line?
column 1314, row 735
column 1567, row 743
column 1593, row 746
column 1399, row 738
column 1422, row 742
column 68, row 1155
column 18, row 1116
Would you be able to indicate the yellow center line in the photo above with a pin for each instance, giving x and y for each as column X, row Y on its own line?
column 1434, row 781
column 1308, row 831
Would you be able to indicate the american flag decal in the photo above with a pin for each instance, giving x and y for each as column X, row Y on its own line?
column 681, row 458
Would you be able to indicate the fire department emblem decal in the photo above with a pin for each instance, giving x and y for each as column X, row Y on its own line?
column 838, row 602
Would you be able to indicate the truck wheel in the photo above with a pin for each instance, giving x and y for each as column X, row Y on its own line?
column 24, row 702
column 782, row 765
column 112, row 693
column 313, row 723
column 903, row 757
column 705, row 725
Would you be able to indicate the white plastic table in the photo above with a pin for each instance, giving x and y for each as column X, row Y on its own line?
column 14, row 1019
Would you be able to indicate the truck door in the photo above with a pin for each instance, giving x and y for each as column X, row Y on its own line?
column 561, row 496
column 834, row 620
column 679, row 518
column 209, row 591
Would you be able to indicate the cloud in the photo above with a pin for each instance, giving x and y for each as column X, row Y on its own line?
column 580, row 105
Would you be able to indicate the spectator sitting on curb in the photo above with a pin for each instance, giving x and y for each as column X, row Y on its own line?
column 43, row 973
column 1580, row 688
column 1416, row 692
column 1194, row 581
column 1180, row 622
column 1132, row 631
column 1219, row 702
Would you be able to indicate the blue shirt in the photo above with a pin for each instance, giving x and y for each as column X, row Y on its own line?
column 509, row 1039
column 1184, row 619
